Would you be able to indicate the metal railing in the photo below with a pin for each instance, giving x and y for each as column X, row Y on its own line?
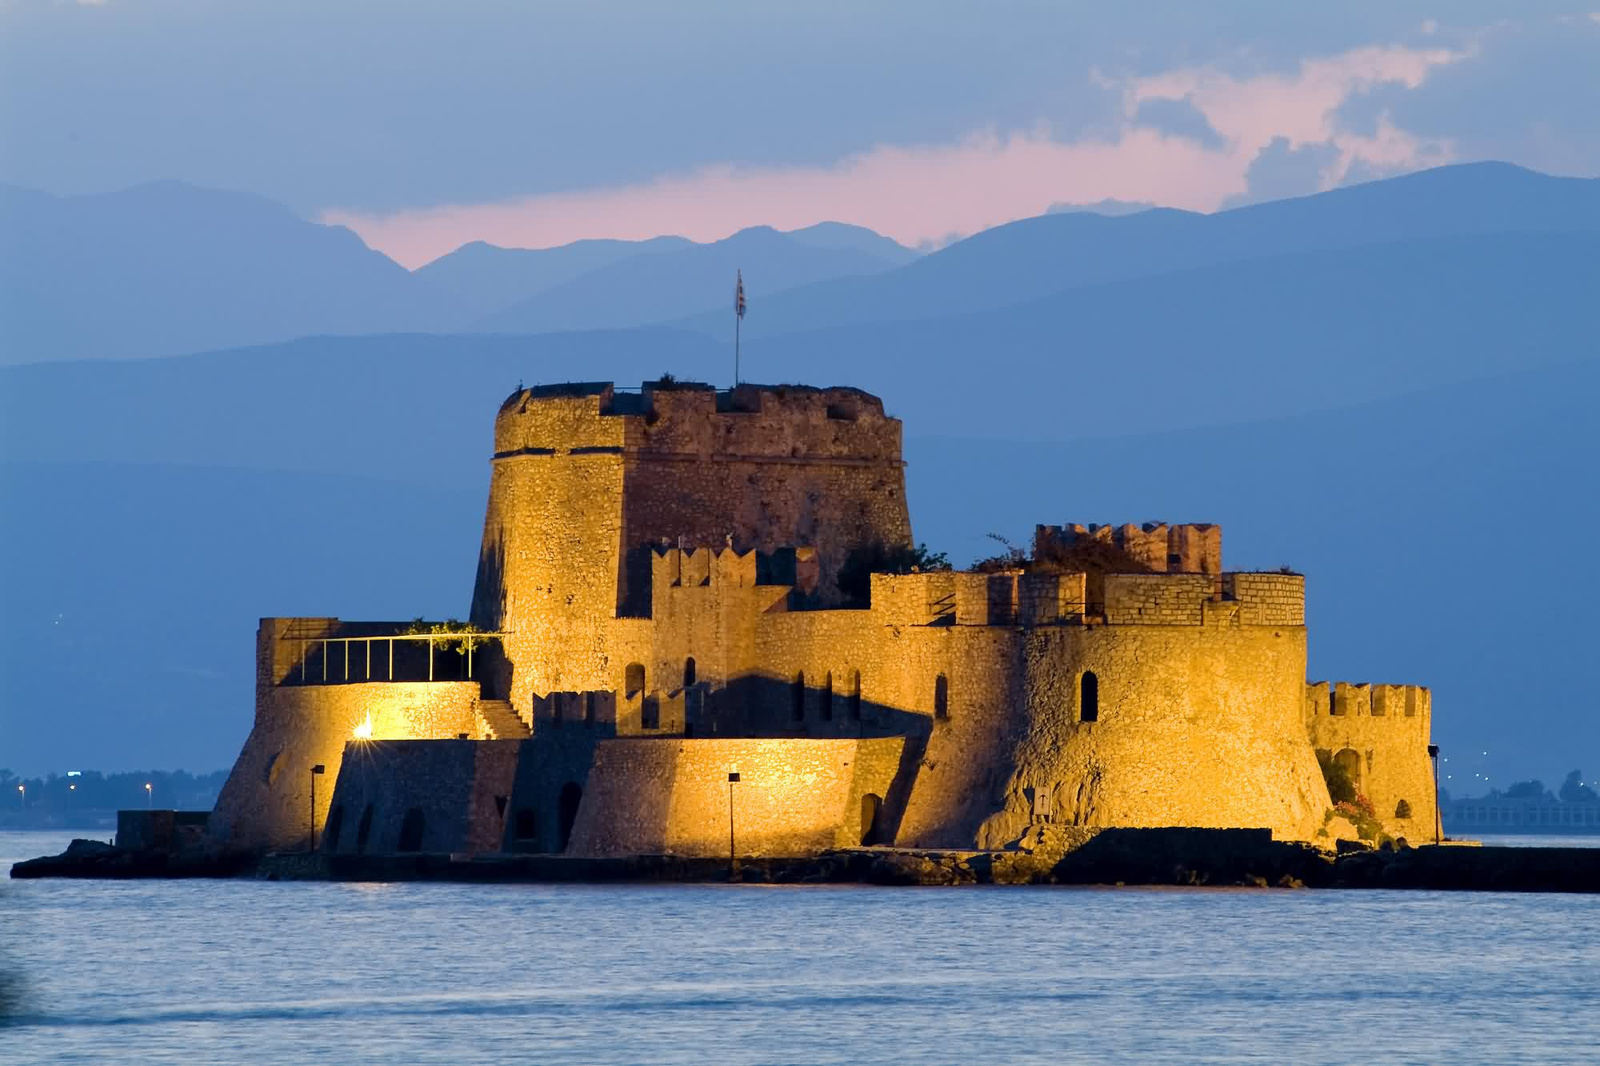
column 433, row 639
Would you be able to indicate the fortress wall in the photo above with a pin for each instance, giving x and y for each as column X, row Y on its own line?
column 794, row 796
column 1045, row 598
column 1386, row 729
column 833, row 505
column 969, row 752
column 959, row 733
column 1195, row 548
column 549, row 569
column 1156, row 599
column 705, row 605
column 1191, row 548
column 457, row 786
column 1197, row 726
column 265, row 801
column 1268, row 599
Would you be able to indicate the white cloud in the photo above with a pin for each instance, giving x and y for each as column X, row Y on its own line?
column 920, row 194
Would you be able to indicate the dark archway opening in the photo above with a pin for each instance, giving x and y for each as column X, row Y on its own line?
column 688, row 672
column 364, row 830
column 871, row 819
column 526, row 827
column 633, row 679
column 941, row 697
column 1089, row 697
column 411, row 827
column 567, row 814
column 797, row 698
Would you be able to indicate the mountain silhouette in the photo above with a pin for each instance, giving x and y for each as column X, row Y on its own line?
column 1035, row 257
column 651, row 288
column 479, row 278
column 169, row 268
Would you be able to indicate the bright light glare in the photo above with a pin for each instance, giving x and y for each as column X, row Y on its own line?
column 364, row 730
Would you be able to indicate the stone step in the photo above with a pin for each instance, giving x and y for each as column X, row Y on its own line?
column 499, row 721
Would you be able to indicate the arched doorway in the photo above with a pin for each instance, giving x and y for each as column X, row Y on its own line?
column 1089, row 697
column 688, row 672
column 871, row 819
column 941, row 697
column 1349, row 760
column 526, row 828
column 567, row 814
column 411, row 827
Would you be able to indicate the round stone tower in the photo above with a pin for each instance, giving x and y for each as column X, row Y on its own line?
column 589, row 479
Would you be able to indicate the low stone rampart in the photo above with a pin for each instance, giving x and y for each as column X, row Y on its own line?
column 397, row 796
column 793, row 797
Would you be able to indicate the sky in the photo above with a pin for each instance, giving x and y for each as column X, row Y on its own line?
column 424, row 126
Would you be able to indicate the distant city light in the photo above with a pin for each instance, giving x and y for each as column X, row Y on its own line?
column 74, row 773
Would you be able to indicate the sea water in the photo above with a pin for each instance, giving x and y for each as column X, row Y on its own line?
column 266, row 972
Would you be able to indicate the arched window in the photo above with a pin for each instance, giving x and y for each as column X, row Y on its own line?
column 797, row 697
column 1089, row 697
column 330, row 835
column 411, row 831
column 941, row 697
column 871, row 819
column 855, row 696
column 633, row 682
column 567, row 809
column 527, row 825
column 364, row 830
column 1402, row 809
column 827, row 697
column 688, row 672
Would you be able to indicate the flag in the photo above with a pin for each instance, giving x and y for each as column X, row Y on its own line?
column 738, row 296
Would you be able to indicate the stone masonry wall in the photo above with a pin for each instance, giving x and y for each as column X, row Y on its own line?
column 460, row 789
column 794, row 797
column 1388, row 727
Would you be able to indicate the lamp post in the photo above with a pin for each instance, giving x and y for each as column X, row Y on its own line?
column 22, row 795
column 149, row 800
column 316, row 771
column 1438, row 816
column 733, row 860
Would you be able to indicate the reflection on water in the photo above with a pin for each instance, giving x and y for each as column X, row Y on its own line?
column 245, row 971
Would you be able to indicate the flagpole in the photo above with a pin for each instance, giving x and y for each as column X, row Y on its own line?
column 738, row 321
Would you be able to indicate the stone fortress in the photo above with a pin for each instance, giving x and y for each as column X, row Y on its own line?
column 676, row 586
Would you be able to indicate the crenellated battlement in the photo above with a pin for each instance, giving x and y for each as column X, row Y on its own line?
column 1017, row 597
column 1191, row 548
column 1345, row 699
column 692, row 420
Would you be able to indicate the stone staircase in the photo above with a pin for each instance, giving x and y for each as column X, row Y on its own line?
column 498, row 721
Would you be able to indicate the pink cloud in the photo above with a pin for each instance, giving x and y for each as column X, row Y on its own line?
column 920, row 194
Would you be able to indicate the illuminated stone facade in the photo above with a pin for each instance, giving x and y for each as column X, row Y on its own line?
column 680, row 580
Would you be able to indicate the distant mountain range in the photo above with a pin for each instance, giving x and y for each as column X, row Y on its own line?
column 169, row 268
column 1037, row 257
